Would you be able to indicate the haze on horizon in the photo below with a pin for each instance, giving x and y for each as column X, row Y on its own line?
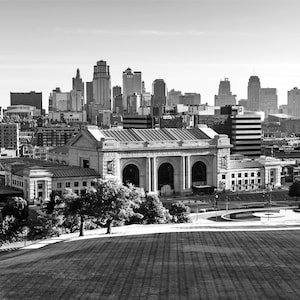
column 191, row 44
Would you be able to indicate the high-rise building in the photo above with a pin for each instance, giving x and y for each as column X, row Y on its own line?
column 132, row 84
column 9, row 136
column 245, row 134
column 293, row 103
column 254, row 93
column 269, row 101
column 64, row 106
column 89, row 92
column 77, row 83
column 32, row 98
column 173, row 97
column 117, row 99
column 225, row 96
column 159, row 93
column 102, row 86
column 117, row 90
column 59, row 101
column 133, row 103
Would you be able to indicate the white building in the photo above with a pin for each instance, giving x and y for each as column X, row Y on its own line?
column 163, row 160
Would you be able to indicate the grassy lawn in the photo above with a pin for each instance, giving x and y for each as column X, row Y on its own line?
column 196, row 265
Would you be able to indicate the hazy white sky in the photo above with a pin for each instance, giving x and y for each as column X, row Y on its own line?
column 191, row 44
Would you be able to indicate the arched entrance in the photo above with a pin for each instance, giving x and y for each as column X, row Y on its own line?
column 131, row 174
column 199, row 174
column 165, row 176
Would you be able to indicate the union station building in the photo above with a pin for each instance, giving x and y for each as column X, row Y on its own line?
column 168, row 160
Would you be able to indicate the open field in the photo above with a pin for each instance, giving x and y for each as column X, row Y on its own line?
column 186, row 265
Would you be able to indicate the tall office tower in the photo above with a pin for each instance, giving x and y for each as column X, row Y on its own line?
column 133, row 103
column 117, row 90
column 118, row 104
column 225, row 96
column 77, row 101
column 158, row 97
column 254, row 93
column 159, row 93
column 9, row 136
column 269, row 101
column 32, row 98
column 89, row 92
column 146, row 99
column 293, row 103
column 59, row 101
column 245, row 134
column 117, row 99
column 77, row 93
column 132, row 84
column 77, row 83
column 173, row 97
column 102, row 86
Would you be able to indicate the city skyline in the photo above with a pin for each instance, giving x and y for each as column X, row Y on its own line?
column 192, row 45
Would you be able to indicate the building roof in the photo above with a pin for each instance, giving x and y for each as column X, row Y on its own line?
column 164, row 134
column 244, row 164
column 72, row 171
column 58, row 170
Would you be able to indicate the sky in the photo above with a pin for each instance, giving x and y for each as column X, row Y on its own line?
column 191, row 44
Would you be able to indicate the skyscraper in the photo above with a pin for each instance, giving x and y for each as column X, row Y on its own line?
column 117, row 99
column 117, row 90
column 293, row 104
column 77, row 83
column 159, row 92
column 254, row 93
column 102, row 86
column 225, row 96
column 77, row 93
column 132, row 84
column 89, row 92
column 269, row 101
column 158, row 96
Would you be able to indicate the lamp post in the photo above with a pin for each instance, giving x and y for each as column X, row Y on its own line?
column 216, row 205
column 226, row 205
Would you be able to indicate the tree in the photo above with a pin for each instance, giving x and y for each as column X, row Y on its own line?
column 153, row 210
column 180, row 212
column 14, row 219
column 116, row 202
column 294, row 190
column 82, row 206
column 16, row 207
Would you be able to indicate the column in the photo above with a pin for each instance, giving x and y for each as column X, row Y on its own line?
column 154, row 172
column 148, row 176
column 117, row 171
column 183, row 172
column 188, row 171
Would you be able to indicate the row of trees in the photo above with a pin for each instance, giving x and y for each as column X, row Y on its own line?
column 106, row 204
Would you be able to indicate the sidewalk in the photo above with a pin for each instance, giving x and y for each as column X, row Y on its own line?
column 200, row 222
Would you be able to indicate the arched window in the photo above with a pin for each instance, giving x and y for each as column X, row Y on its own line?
column 131, row 174
column 199, row 173
column 165, row 175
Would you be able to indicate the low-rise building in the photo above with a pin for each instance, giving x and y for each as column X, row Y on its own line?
column 168, row 160
column 37, row 179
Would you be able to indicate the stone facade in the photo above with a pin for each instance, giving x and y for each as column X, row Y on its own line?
column 168, row 160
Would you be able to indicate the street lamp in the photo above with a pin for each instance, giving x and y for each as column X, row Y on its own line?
column 216, row 205
column 226, row 205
